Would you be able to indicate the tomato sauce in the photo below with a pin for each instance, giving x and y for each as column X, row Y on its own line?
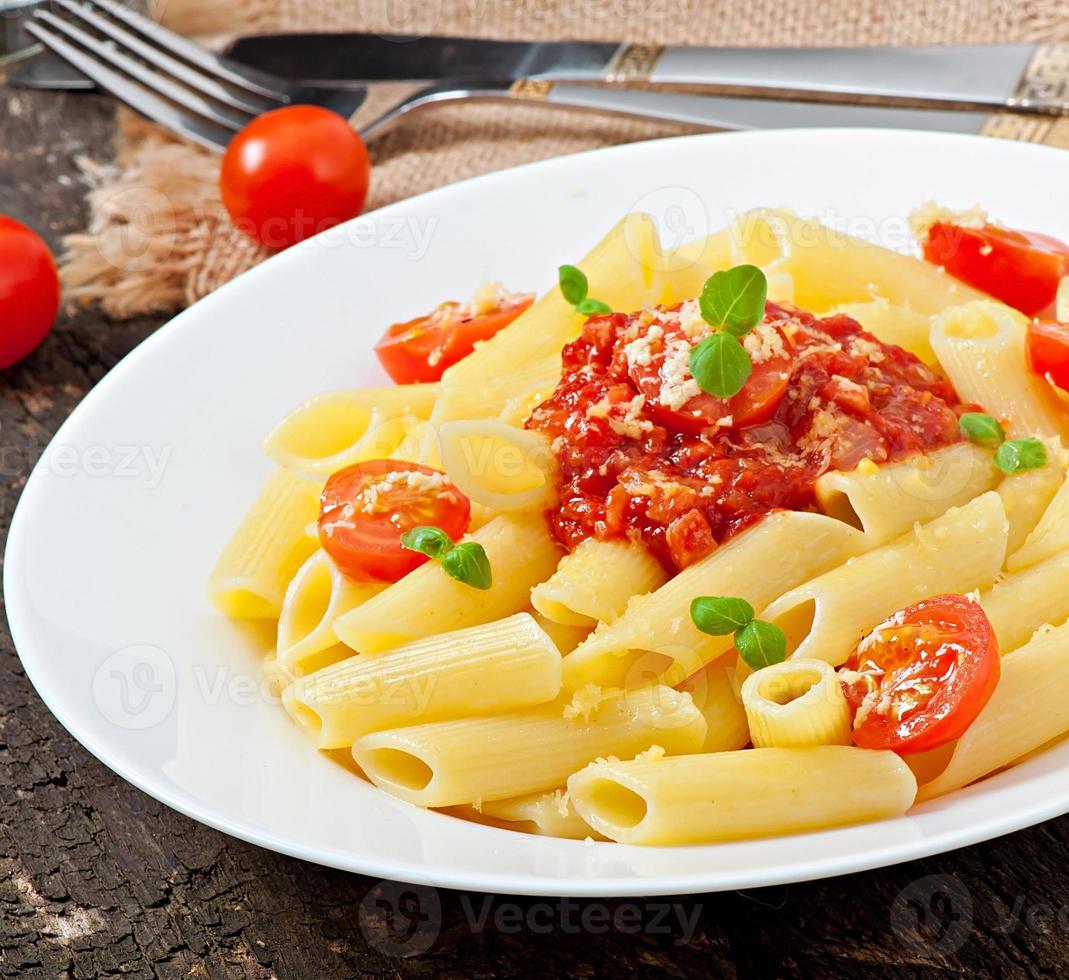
column 645, row 454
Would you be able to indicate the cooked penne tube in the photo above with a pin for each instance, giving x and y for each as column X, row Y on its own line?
column 693, row 799
column 548, row 814
column 454, row 762
column 981, row 347
column 318, row 594
column 622, row 270
column 898, row 325
column 427, row 601
column 656, row 637
column 1030, row 706
column 958, row 552
column 1026, row 497
column 596, row 581
column 831, row 268
column 324, row 434
column 566, row 638
column 499, row 466
column 796, row 703
column 262, row 556
column 1022, row 602
column 1049, row 536
column 886, row 501
column 716, row 694
column 498, row 666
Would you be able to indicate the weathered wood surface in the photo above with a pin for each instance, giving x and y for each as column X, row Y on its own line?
column 97, row 879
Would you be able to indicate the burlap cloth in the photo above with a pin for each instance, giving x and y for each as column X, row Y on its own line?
column 159, row 237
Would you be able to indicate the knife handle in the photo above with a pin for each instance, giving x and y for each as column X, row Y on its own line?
column 1006, row 76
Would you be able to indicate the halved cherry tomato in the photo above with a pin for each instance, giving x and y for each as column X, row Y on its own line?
column 755, row 403
column 922, row 676
column 1021, row 268
column 1048, row 350
column 365, row 508
column 421, row 349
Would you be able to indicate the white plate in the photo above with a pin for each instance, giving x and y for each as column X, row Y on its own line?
column 106, row 559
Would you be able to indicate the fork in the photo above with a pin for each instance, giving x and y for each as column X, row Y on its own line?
column 208, row 98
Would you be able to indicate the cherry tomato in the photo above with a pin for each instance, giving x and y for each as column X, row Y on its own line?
column 1021, row 268
column 29, row 291
column 755, row 403
column 294, row 172
column 364, row 509
column 421, row 349
column 1048, row 350
column 921, row 677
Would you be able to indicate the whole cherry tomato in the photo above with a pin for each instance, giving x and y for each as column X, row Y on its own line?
column 29, row 291
column 294, row 172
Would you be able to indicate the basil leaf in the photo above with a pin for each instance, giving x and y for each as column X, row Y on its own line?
column 735, row 299
column 719, row 615
column 573, row 284
column 1021, row 454
column 432, row 541
column 591, row 306
column 468, row 563
column 720, row 365
column 982, row 429
column 761, row 644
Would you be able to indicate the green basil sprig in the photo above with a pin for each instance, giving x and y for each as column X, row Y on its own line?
column 574, row 288
column 733, row 301
column 759, row 643
column 466, row 562
column 1012, row 456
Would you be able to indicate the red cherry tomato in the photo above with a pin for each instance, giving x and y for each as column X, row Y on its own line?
column 292, row 173
column 29, row 291
column 1048, row 350
column 922, row 676
column 1021, row 268
column 755, row 403
column 421, row 349
column 364, row 509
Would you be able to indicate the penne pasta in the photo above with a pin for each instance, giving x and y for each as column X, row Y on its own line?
column 961, row 551
column 484, row 669
column 499, row 466
column 898, row 325
column 655, row 637
column 548, row 814
column 886, row 501
column 262, row 556
column 692, row 799
column 1022, row 602
column 1030, row 707
column 1026, row 497
column 1049, row 536
column 715, row 692
column 981, row 347
column 324, row 434
column 796, row 703
column 318, row 594
column 428, row 601
column 475, row 759
column 622, row 271
column 596, row 581
column 566, row 638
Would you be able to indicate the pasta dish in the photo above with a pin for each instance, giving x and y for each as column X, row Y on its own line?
column 762, row 535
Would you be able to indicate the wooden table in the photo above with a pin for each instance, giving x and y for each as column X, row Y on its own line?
column 98, row 879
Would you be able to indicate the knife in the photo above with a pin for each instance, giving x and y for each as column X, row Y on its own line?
column 1030, row 77
column 1024, row 77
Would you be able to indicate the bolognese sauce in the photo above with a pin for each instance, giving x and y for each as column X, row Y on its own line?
column 644, row 453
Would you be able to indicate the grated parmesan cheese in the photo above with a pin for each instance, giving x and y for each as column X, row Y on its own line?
column 368, row 501
column 691, row 320
column 677, row 383
column 764, row 343
column 930, row 213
